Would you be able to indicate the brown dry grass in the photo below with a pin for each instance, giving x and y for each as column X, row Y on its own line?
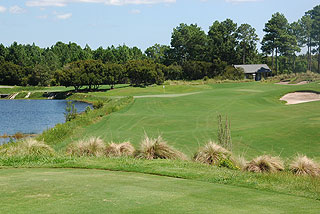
column 265, row 163
column 211, row 154
column 118, row 150
column 158, row 149
column 302, row 165
column 27, row 147
column 92, row 147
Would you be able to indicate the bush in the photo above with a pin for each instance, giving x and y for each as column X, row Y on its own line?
column 302, row 165
column 144, row 72
column 158, row 149
column 71, row 111
column 27, row 147
column 231, row 73
column 92, row 147
column 265, row 163
column 99, row 104
column 194, row 70
column 216, row 155
column 118, row 150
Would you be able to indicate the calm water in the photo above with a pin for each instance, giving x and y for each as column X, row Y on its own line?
column 32, row 116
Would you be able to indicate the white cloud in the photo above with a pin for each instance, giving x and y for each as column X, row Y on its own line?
column 64, row 16
column 16, row 9
column 135, row 11
column 62, row 3
column 2, row 9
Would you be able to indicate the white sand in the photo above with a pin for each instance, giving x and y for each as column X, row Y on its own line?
column 300, row 97
column 287, row 83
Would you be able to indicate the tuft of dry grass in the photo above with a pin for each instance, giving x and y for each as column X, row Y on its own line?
column 158, row 149
column 212, row 154
column 302, row 165
column 240, row 162
column 118, row 150
column 265, row 163
column 27, row 147
column 92, row 147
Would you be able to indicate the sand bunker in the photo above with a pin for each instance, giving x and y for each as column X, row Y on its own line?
column 287, row 83
column 300, row 97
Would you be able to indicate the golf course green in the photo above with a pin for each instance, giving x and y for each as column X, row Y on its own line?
column 260, row 122
column 186, row 117
column 97, row 191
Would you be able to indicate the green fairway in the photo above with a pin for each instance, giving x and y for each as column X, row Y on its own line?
column 260, row 123
column 98, row 191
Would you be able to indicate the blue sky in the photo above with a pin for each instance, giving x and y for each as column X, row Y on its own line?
column 140, row 23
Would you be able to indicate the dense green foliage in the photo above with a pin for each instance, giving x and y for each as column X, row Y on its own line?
column 192, row 54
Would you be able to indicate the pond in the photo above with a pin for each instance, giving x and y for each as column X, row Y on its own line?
column 32, row 116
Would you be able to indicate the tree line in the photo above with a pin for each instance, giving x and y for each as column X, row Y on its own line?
column 192, row 54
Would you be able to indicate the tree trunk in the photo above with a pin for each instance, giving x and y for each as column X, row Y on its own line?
column 319, row 59
column 309, row 55
column 244, row 56
column 272, row 60
column 276, row 60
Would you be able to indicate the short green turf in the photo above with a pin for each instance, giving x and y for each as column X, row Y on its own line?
column 260, row 123
column 97, row 191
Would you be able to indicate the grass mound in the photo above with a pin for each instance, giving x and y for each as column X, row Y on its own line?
column 92, row 147
column 302, row 165
column 212, row 154
column 265, row 163
column 118, row 150
column 27, row 147
column 158, row 149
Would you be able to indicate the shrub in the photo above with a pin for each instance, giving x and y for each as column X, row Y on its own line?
column 265, row 163
column 27, row 147
column 122, row 149
column 158, row 149
column 213, row 154
column 99, row 104
column 302, row 165
column 71, row 111
column 92, row 147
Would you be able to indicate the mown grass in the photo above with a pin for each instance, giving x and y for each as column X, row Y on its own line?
column 260, row 123
column 98, row 191
column 283, row 182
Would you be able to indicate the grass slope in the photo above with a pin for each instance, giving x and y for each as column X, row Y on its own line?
column 260, row 123
column 94, row 191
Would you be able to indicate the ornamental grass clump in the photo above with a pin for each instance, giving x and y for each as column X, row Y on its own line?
column 265, row 163
column 27, row 147
column 118, row 150
column 92, row 147
column 214, row 154
column 302, row 165
column 157, row 148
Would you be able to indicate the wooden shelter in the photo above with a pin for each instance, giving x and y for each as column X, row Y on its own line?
column 255, row 71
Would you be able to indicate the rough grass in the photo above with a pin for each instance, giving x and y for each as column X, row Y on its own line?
column 157, row 148
column 212, row 154
column 118, row 150
column 295, row 77
column 91, row 147
column 27, row 147
column 265, row 163
column 302, row 165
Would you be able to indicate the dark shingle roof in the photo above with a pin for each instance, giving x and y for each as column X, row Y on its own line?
column 255, row 68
